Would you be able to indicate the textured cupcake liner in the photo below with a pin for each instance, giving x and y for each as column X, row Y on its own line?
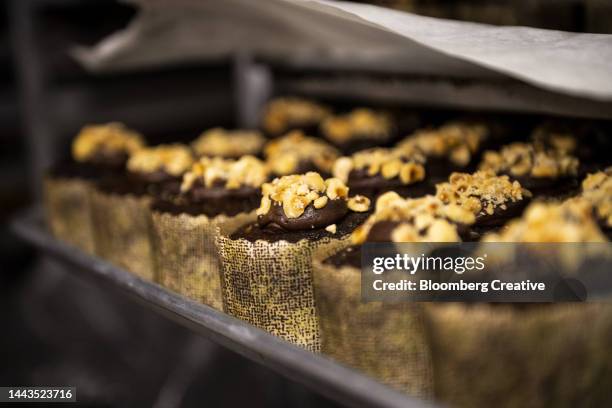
column 121, row 225
column 524, row 355
column 269, row 284
column 386, row 341
column 67, row 203
column 185, row 254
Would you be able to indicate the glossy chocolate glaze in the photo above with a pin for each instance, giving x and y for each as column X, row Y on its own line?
column 272, row 232
column 312, row 218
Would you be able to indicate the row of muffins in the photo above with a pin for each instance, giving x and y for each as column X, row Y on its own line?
column 228, row 233
column 169, row 180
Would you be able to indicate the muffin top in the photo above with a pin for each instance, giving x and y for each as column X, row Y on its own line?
column 424, row 219
column 171, row 159
column 388, row 163
column 525, row 160
column 248, row 171
column 570, row 221
column 228, row 143
column 455, row 141
column 361, row 123
column 597, row 189
column 281, row 114
column 307, row 201
column 482, row 192
column 295, row 152
column 106, row 143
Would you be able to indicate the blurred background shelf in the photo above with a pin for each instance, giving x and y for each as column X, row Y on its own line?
column 316, row 372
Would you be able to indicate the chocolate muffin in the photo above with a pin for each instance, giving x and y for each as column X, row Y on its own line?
column 229, row 144
column 359, row 129
column 296, row 153
column 266, row 264
column 492, row 199
column 120, row 205
column 545, row 172
column 385, row 340
column 374, row 171
column 97, row 151
column 282, row 115
column 214, row 192
column 534, row 338
column 455, row 146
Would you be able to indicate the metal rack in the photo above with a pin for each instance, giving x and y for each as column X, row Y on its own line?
column 317, row 372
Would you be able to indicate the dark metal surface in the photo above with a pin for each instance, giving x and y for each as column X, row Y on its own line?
column 315, row 371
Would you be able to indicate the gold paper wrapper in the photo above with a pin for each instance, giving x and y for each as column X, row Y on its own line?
column 67, row 203
column 185, row 254
column 386, row 341
column 269, row 284
column 555, row 355
column 121, row 226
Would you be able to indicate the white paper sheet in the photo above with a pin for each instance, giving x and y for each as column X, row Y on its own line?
column 173, row 31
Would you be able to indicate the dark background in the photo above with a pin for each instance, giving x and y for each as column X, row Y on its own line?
column 58, row 329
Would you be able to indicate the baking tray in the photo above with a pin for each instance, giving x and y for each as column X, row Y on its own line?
column 320, row 374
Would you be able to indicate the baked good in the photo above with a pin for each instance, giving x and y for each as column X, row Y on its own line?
column 371, row 172
column 97, row 151
column 121, row 205
column 455, row 146
column 545, row 172
column 385, row 340
column 492, row 199
column 214, row 191
column 266, row 264
column 535, row 339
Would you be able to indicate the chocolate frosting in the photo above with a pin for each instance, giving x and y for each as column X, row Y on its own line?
column 312, row 218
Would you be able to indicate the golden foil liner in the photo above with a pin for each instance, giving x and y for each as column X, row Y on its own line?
column 67, row 204
column 185, row 254
column 121, row 226
column 387, row 341
column 521, row 355
column 269, row 284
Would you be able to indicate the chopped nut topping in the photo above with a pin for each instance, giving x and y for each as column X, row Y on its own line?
column 456, row 141
column 481, row 192
column 246, row 171
column 597, row 189
column 522, row 159
column 109, row 138
column 335, row 188
column 570, row 221
column 331, row 228
column 320, row 202
column 360, row 123
column 390, row 163
column 281, row 113
column 285, row 154
column 421, row 219
column 296, row 192
column 228, row 143
column 359, row 203
column 174, row 159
